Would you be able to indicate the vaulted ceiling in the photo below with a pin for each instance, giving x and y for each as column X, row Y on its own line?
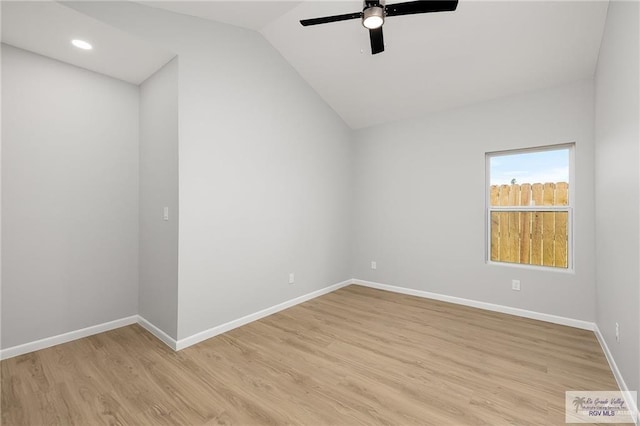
column 47, row 28
column 483, row 50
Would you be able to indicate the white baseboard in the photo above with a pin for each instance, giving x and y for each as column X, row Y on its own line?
column 157, row 332
column 164, row 337
column 223, row 328
column 586, row 325
column 66, row 337
column 616, row 372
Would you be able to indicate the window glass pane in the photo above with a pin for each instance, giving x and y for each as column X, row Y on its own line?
column 531, row 238
column 538, row 178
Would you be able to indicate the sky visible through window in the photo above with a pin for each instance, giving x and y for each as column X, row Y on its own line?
column 530, row 167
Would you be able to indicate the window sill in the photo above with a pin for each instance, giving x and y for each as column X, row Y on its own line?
column 532, row 267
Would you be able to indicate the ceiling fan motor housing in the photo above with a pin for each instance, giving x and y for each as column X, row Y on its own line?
column 373, row 17
column 373, row 14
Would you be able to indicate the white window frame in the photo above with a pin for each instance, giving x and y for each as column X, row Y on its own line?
column 568, row 208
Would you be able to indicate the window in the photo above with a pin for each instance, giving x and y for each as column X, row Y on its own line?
column 530, row 208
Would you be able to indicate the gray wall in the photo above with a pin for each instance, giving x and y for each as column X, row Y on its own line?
column 264, row 181
column 420, row 200
column 158, row 284
column 69, row 198
column 617, row 188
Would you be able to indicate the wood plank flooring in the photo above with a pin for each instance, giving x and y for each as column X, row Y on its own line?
column 356, row 356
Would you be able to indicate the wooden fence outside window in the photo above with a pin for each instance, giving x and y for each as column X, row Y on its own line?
column 530, row 237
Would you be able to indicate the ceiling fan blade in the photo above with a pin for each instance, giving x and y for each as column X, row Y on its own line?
column 377, row 41
column 424, row 6
column 327, row 19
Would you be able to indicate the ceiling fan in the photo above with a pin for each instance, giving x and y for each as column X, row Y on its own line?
column 374, row 12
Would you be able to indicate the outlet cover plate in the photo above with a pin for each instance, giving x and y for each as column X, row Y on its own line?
column 515, row 285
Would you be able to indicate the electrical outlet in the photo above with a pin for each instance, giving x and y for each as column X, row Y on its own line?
column 617, row 332
column 374, row 264
column 515, row 285
column 292, row 278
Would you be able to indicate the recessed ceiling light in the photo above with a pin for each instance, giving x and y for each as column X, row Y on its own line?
column 81, row 44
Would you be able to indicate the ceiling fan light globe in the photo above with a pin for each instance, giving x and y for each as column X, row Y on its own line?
column 373, row 17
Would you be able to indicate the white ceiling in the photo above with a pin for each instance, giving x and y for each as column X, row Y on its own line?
column 244, row 13
column 47, row 28
column 484, row 50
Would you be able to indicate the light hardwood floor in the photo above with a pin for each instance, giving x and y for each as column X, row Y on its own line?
column 356, row 356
